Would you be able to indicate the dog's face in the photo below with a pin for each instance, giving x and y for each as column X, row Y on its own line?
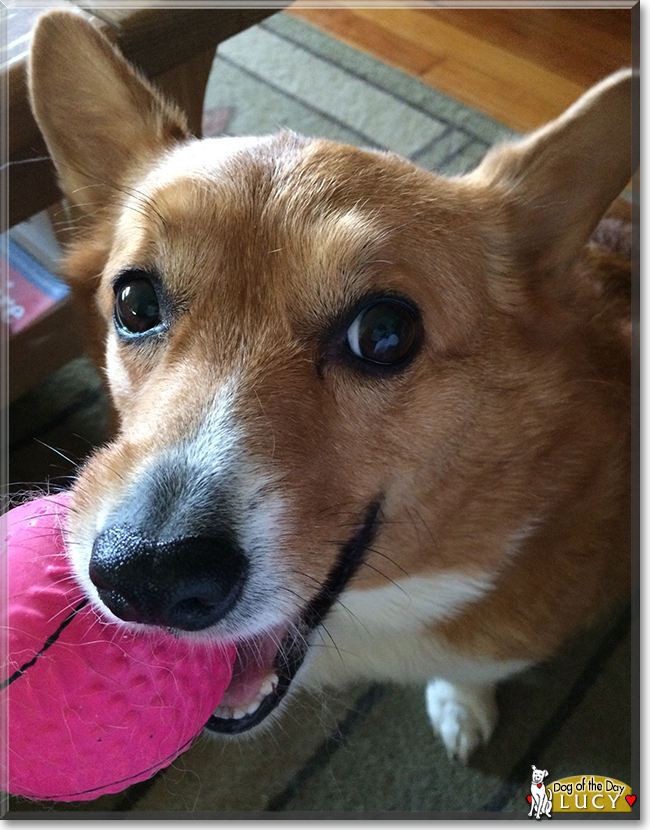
column 320, row 357
column 539, row 775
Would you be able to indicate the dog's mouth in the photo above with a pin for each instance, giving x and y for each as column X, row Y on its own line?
column 267, row 664
column 262, row 674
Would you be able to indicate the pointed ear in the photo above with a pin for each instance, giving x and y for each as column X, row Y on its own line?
column 558, row 182
column 99, row 118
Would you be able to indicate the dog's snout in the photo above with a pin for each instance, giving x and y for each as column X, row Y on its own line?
column 187, row 583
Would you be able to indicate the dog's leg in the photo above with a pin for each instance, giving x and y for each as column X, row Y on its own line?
column 548, row 804
column 463, row 714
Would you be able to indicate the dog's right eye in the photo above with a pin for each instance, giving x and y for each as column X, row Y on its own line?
column 385, row 333
column 137, row 308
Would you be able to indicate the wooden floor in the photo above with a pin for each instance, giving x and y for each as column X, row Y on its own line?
column 521, row 66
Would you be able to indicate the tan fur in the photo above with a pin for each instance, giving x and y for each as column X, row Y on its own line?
column 503, row 450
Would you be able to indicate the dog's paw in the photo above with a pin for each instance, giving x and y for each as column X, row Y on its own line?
column 463, row 715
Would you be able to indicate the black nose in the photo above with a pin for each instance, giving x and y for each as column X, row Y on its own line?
column 189, row 583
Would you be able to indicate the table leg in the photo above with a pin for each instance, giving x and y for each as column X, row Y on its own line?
column 186, row 85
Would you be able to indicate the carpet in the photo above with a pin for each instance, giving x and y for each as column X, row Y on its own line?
column 368, row 751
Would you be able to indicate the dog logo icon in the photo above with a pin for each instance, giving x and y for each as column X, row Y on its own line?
column 541, row 800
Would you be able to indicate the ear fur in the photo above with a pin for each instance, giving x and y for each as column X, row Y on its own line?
column 557, row 183
column 99, row 118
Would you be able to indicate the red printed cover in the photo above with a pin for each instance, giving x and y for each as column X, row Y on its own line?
column 27, row 287
column 23, row 302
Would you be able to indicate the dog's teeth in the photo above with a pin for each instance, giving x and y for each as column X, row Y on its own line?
column 237, row 714
column 269, row 685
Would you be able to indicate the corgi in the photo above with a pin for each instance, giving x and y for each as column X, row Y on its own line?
column 372, row 423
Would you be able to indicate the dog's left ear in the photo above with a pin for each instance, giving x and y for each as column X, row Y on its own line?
column 557, row 182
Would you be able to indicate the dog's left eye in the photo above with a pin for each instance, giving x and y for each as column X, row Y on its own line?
column 385, row 332
column 137, row 309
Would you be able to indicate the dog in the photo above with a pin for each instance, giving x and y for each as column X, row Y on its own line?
column 372, row 423
column 541, row 800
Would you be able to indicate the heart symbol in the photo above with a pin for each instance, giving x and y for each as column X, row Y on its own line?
column 539, row 786
column 529, row 798
column 630, row 799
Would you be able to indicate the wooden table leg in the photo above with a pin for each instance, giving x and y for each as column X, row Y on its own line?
column 186, row 86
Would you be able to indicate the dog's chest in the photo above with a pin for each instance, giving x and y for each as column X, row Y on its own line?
column 385, row 634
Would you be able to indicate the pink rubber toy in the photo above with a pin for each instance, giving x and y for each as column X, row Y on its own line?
column 92, row 707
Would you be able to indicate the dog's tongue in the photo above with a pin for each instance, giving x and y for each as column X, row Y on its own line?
column 252, row 670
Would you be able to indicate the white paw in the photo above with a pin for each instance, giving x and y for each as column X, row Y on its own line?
column 463, row 715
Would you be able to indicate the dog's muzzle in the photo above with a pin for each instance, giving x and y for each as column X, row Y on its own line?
column 187, row 583
column 193, row 581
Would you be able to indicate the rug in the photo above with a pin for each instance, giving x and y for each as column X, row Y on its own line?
column 368, row 751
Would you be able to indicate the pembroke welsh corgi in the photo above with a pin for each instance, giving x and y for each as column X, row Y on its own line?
column 373, row 423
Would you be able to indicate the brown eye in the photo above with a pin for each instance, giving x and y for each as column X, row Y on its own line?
column 137, row 309
column 384, row 332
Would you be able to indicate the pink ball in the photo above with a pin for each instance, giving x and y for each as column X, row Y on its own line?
column 92, row 706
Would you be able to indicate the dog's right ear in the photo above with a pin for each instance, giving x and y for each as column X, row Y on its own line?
column 100, row 119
